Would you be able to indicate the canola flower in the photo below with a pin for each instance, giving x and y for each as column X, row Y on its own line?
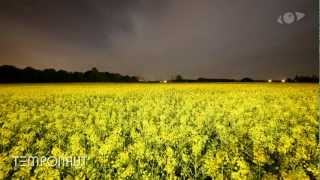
column 156, row 131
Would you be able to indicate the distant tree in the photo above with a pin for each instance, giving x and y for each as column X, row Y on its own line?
column 135, row 79
column 62, row 76
column 95, row 70
column 9, row 74
column 309, row 79
column 178, row 78
column 49, row 75
column 289, row 80
column 77, row 77
column 30, row 74
column 247, row 79
column 93, row 75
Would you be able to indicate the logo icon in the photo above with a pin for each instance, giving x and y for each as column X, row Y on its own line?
column 290, row 17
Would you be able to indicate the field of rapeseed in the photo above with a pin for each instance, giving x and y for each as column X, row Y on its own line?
column 156, row 131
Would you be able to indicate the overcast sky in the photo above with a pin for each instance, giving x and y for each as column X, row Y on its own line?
column 158, row 39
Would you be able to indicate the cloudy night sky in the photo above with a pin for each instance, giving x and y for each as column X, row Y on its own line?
column 158, row 39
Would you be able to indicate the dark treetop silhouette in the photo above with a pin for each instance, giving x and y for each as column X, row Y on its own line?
column 12, row 74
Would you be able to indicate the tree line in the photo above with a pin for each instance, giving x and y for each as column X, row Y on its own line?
column 297, row 79
column 12, row 74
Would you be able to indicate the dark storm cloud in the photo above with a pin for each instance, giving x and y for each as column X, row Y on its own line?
column 159, row 39
column 75, row 21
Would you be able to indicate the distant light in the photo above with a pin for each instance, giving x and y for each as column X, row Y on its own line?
column 269, row 81
column 165, row 81
column 283, row 80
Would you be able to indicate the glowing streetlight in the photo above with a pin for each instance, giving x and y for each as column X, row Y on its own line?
column 270, row 81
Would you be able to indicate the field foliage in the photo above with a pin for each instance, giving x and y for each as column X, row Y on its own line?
column 156, row 131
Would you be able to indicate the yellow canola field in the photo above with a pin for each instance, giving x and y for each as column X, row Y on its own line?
column 156, row 131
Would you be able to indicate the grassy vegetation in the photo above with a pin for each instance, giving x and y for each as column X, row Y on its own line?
column 152, row 131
